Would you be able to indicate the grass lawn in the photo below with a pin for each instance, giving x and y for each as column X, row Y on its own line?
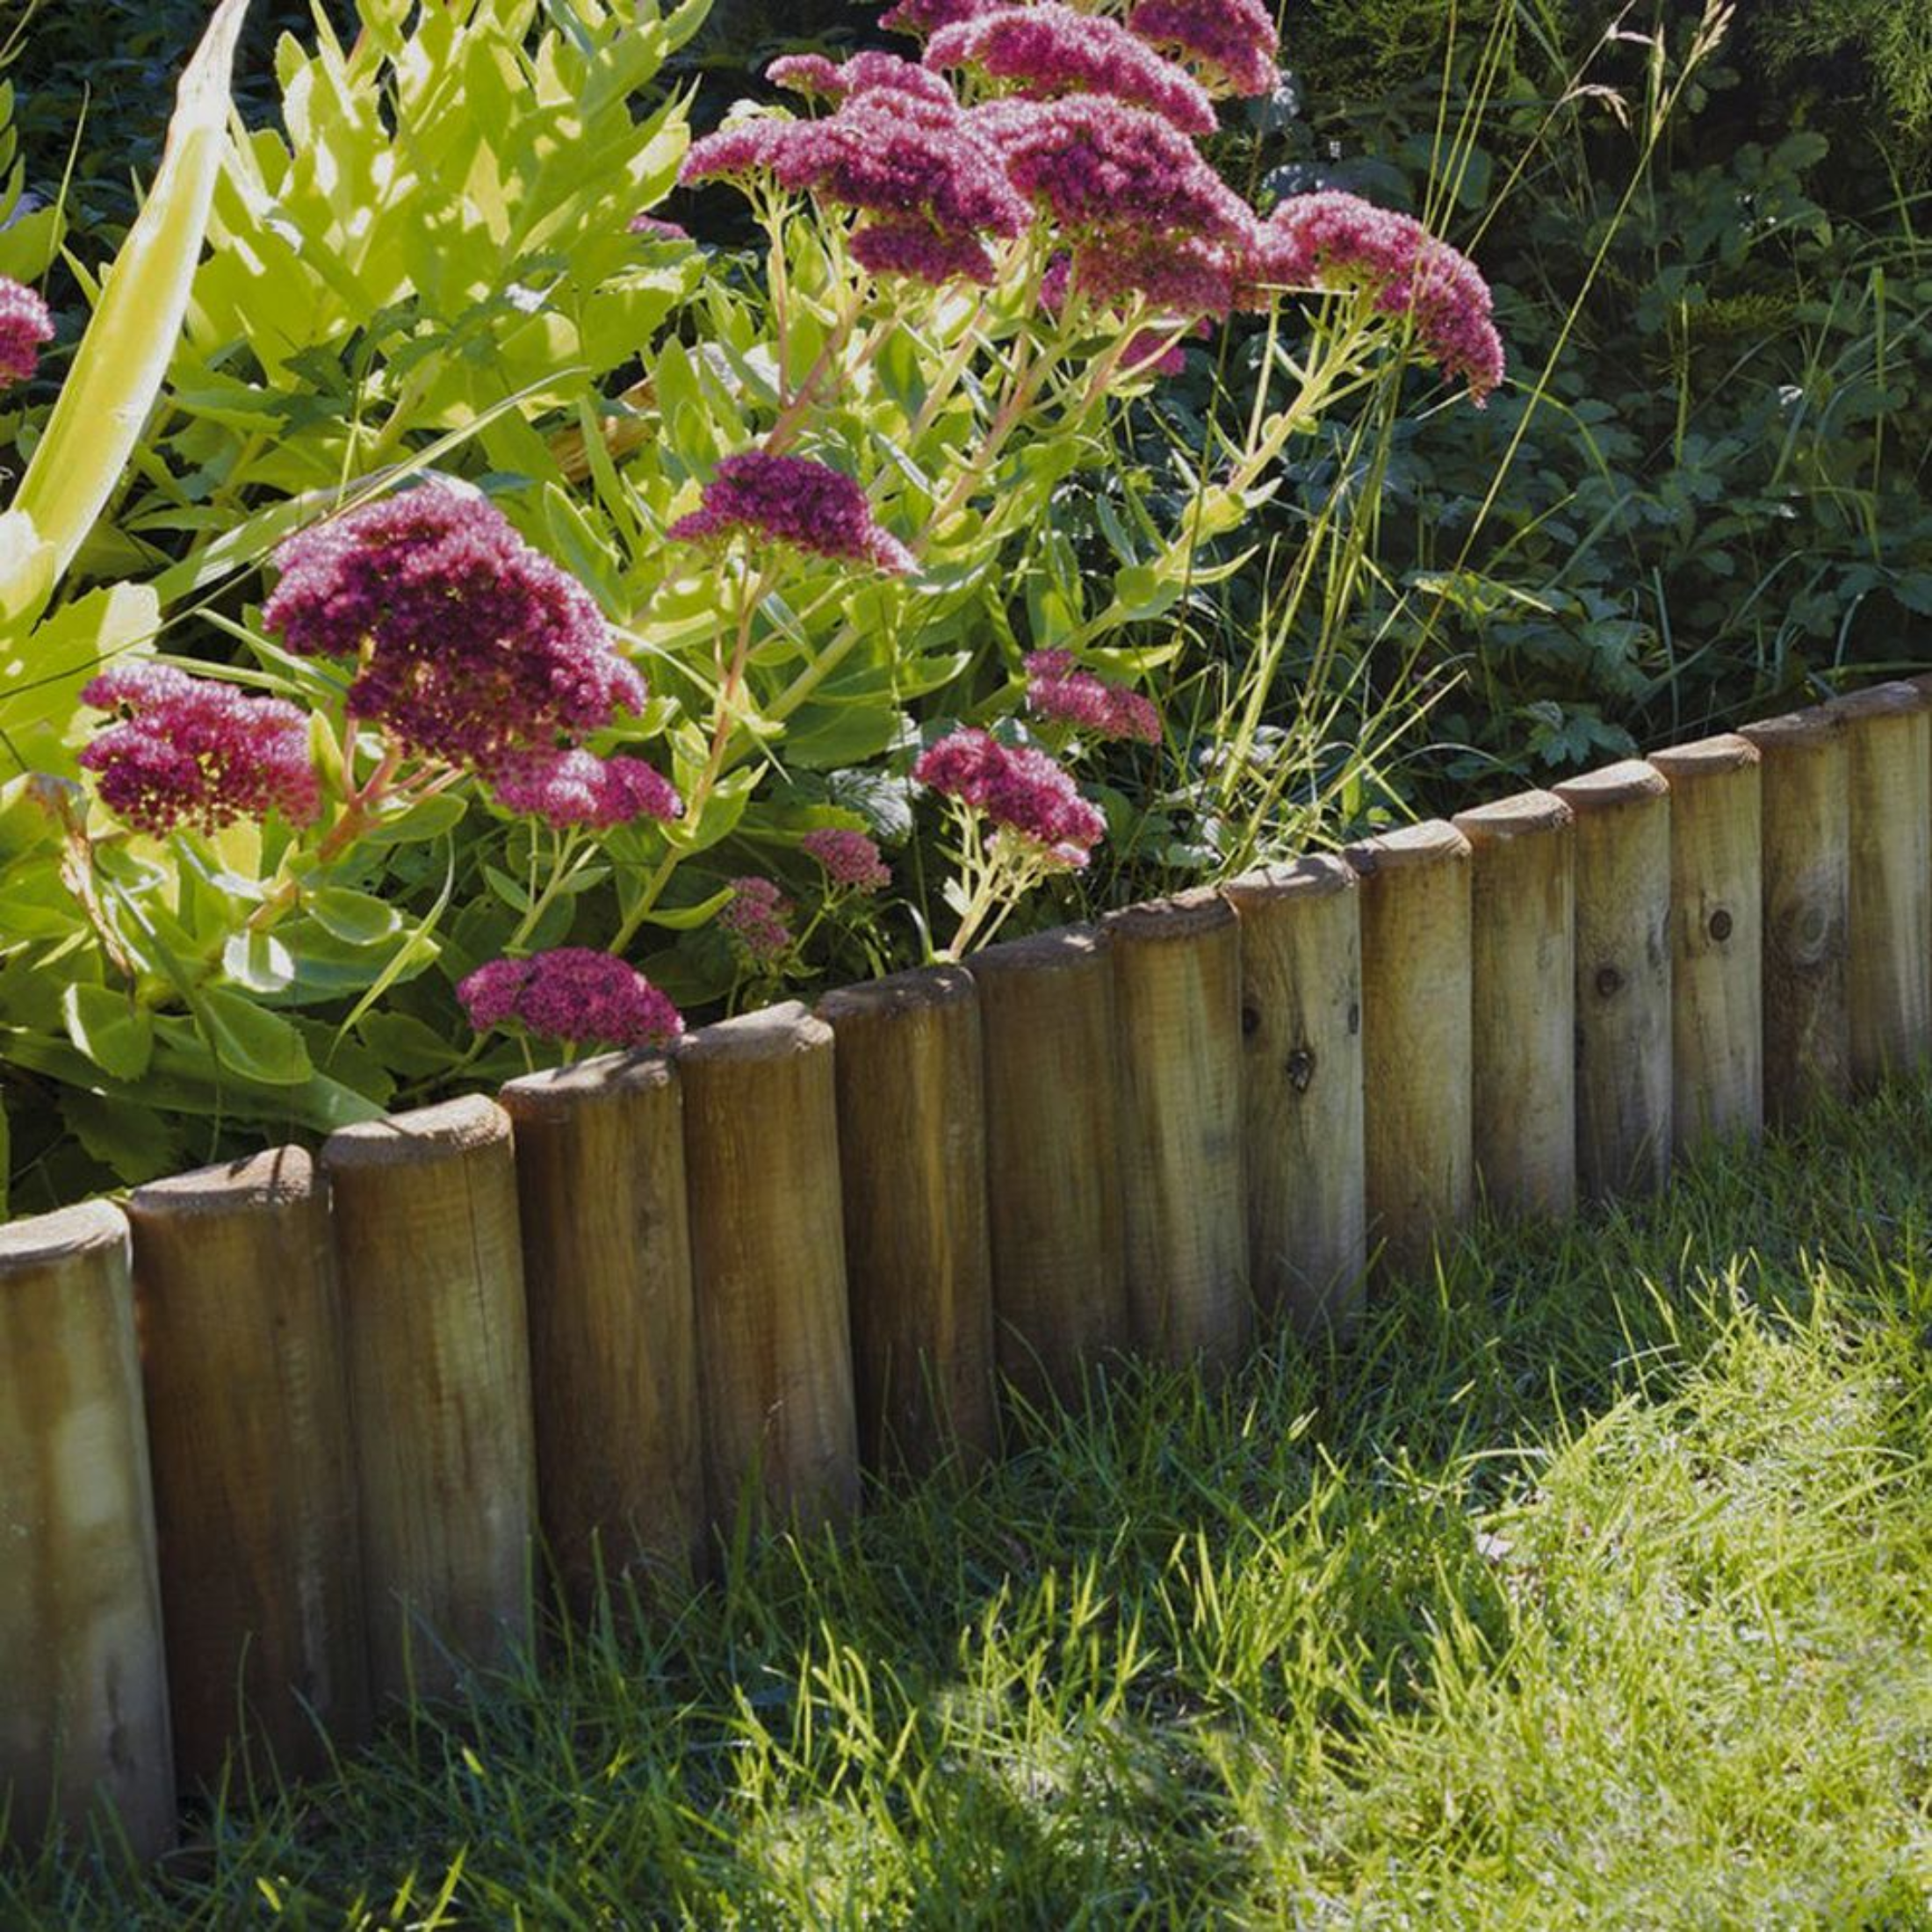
column 1592, row 1588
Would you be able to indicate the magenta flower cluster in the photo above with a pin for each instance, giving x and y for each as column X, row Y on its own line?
column 27, row 325
column 758, row 916
column 1017, row 788
column 1333, row 240
column 1048, row 50
column 1058, row 689
column 1098, row 166
column 792, row 499
column 871, row 72
column 849, row 858
column 576, row 787
column 1233, row 43
column 572, row 995
column 928, row 16
column 469, row 645
column 192, row 752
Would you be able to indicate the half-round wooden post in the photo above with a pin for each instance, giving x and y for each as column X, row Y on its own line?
column 918, row 1250
column 767, row 1249
column 1623, row 978
column 1302, row 1091
column 1524, row 1055
column 1717, row 977
column 1415, row 1038
column 431, row 1266
column 1888, row 733
column 255, row 1464
column 83, row 1722
column 613, row 1326
column 1177, row 976
column 1047, row 1009
column 1807, row 854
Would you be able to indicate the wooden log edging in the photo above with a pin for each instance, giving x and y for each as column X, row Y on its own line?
column 645, row 1291
column 244, row 1365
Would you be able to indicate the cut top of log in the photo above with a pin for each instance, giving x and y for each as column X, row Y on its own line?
column 263, row 1182
column 1317, row 875
column 898, row 994
column 1430, row 843
column 1522, row 815
column 770, row 1033
column 41, row 1240
column 1896, row 699
column 1186, row 915
column 1707, row 757
column 1629, row 783
column 1815, row 725
column 1066, row 948
column 453, row 1127
column 560, row 1091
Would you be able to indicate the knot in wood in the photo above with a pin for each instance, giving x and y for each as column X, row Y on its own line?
column 1250, row 1022
column 1354, row 1017
column 1300, row 1068
column 1610, row 981
column 1721, row 924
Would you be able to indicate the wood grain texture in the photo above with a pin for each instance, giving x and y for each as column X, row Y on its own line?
column 767, row 1248
column 613, row 1320
column 1888, row 962
column 1047, row 1010
column 430, row 1261
column 1717, row 977
column 1302, row 1091
column 1523, row 910
column 919, row 1246
column 255, row 1464
column 1806, row 845
column 84, row 1723
column 1177, row 985
column 1417, row 1039
column 1623, row 978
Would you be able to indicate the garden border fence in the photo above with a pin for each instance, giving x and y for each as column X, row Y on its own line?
column 279, row 1440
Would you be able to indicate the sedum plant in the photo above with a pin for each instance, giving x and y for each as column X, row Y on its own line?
column 647, row 625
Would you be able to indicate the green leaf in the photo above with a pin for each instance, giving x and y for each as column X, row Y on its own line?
column 256, row 1044
column 406, row 1044
column 428, row 819
column 686, row 919
column 120, row 366
column 356, row 918
column 134, row 1141
column 258, row 961
column 114, row 1033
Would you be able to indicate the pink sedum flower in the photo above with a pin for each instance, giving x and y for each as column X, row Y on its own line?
column 193, row 751
column 1019, row 789
column 577, row 788
column 792, row 499
column 26, row 326
column 758, row 918
column 923, row 253
column 572, row 995
column 927, row 17
column 1058, row 688
column 1098, row 166
column 1333, row 240
column 655, row 229
column 469, row 645
column 872, row 72
column 849, row 858
column 1048, row 50
column 1232, row 43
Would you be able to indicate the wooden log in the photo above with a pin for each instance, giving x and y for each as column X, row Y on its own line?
column 84, row 1724
column 1623, row 978
column 1888, row 734
column 767, row 1248
column 613, row 1320
column 1177, row 979
column 1046, row 1008
column 254, row 1457
column 1416, row 1044
column 1302, row 1091
column 430, row 1261
column 1524, row 1048
column 1717, row 978
column 918, row 1247
column 1806, row 892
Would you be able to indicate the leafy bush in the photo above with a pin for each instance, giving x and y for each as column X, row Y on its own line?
column 821, row 495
